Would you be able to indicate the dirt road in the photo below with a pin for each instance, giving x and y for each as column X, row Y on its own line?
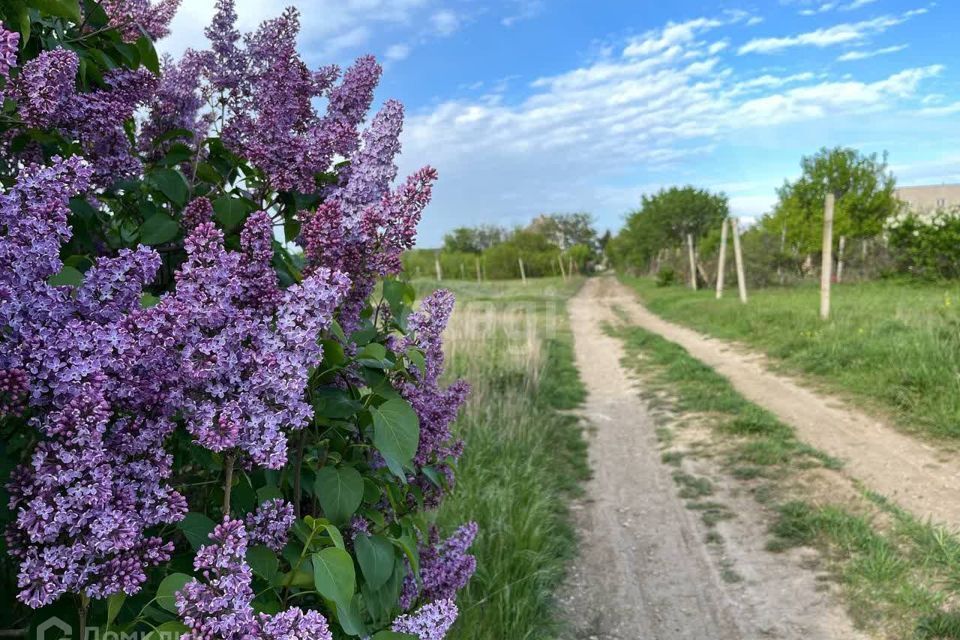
column 914, row 475
column 645, row 570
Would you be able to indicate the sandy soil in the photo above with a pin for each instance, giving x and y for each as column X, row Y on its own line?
column 646, row 571
column 914, row 475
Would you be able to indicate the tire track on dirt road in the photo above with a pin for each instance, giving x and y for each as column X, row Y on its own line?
column 915, row 475
column 644, row 570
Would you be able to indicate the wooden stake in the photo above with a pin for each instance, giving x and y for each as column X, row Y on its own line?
column 479, row 275
column 562, row 272
column 738, row 258
column 826, row 264
column 693, row 262
column 783, row 245
column 700, row 269
column 523, row 273
column 723, row 258
column 843, row 243
column 463, row 272
column 436, row 264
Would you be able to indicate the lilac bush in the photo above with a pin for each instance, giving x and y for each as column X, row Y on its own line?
column 203, row 323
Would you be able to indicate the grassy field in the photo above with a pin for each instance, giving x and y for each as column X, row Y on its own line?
column 524, row 458
column 899, row 575
column 893, row 346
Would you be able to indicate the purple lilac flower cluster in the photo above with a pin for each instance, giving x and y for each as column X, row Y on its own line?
column 9, row 42
column 47, row 98
column 263, row 91
column 227, row 350
column 97, row 481
column 429, row 622
column 436, row 406
column 270, row 524
column 445, row 567
column 220, row 605
column 14, row 388
column 133, row 18
column 241, row 349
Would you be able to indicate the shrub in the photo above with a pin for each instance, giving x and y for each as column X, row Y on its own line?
column 666, row 277
column 927, row 246
column 206, row 430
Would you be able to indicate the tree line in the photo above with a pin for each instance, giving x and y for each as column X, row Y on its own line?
column 550, row 245
column 870, row 223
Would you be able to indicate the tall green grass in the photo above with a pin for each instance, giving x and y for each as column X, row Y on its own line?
column 524, row 458
column 894, row 346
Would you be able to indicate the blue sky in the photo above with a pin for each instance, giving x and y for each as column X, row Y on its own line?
column 528, row 106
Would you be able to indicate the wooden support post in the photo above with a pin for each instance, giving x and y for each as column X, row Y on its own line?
column 523, row 272
column 693, row 262
column 722, row 262
column 562, row 272
column 783, row 246
column 479, row 275
column 843, row 243
column 463, row 272
column 436, row 264
column 826, row 263
column 700, row 269
column 738, row 258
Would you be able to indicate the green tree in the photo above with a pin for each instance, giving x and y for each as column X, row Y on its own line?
column 566, row 229
column 664, row 220
column 538, row 252
column 864, row 191
column 473, row 239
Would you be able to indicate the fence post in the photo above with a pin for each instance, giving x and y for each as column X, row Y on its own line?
column 843, row 243
column 738, row 258
column 826, row 264
column 436, row 264
column 570, row 266
column 693, row 262
column 523, row 273
column 562, row 272
column 722, row 262
column 479, row 275
column 783, row 246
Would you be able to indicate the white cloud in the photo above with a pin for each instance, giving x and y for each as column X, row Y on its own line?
column 828, row 36
column 831, row 6
column 832, row 98
column 862, row 55
column 674, row 34
column 856, row 4
column 768, row 81
column 717, row 47
column 939, row 112
column 445, row 22
column 523, row 10
column 330, row 28
column 397, row 51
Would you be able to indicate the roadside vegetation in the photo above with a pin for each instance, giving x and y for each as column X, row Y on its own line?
column 894, row 346
column 524, row 456
column 559, row 244
column 898, row 575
